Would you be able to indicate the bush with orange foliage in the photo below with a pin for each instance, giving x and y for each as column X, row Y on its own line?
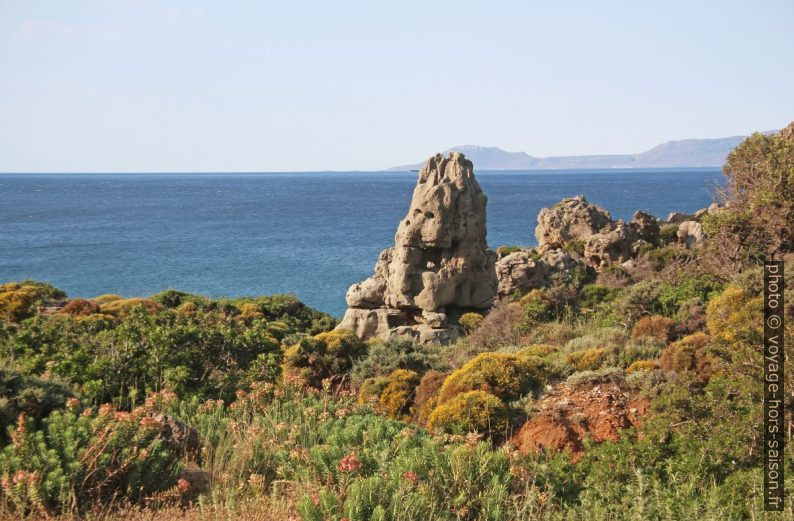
column 654, row 326
column 427, row 395
column 688, row 356
column 80, row 307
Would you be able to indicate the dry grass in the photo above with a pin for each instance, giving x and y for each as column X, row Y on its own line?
column 259, row 509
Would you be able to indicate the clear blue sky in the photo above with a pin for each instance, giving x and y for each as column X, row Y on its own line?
column 137, row 85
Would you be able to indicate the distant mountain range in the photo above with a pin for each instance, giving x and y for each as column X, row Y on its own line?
column 683, row 153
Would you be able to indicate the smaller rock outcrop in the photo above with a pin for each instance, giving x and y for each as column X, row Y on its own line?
column 678, row 217
column 613, row 245
column 525, row 270
column 604, row 241
column 690, row 233
column 569, row 220
column 647, row 227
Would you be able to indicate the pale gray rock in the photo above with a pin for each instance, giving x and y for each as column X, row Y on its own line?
column 678, row 217
column 690, row 233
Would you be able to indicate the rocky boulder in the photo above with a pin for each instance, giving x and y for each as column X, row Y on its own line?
column 569, row 220
column 525, row 270
column 440, row 264
column 614, row 245
column 690, row 233
column 646, row 226
column 678, row 217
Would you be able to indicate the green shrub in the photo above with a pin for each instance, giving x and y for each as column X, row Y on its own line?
column 35, row 397
column 472, row 411
column 327, row 355
column 371, row 389
column 76, row 461
column 575, row 247
column 756, row 222
column 203, row 354
column 384, row 357
column 536, row 350
column 668, row 233
column 506, row 376
column 537, row 307
column 700, row 286
column 593, row 295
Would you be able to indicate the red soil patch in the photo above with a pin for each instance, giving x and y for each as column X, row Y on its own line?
column 565, row 417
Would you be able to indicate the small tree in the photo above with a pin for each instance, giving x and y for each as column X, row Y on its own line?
column 758, row 220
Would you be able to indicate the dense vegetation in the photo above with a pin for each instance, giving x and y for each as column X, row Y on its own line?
column 255, row 407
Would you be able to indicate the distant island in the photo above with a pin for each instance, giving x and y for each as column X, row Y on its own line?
column 682, row 153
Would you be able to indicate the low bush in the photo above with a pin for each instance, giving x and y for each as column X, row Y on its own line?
column 536, row 350
column 472, row 411
column 76, row 461
column 506, row 376
column 324, row 356
column 426, row 397
column 689, row 356
column 80, row 307
column 470, row 321
column 384, row 357
column 397, row 398
column 537, row 307
column 123, row 307
column 641, row 365
column 587, row 360
column 501, row 327
column 19, row 300
column 30, row 395
column 653, row 326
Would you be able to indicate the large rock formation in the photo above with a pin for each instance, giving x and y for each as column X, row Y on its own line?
column 440, row 265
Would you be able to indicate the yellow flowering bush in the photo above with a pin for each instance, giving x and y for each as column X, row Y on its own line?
column 641, row 365
column 470, row 321
column 472, row 411
column 735, row 315
column 505, row 376
column 587, row 359
column 123, row 307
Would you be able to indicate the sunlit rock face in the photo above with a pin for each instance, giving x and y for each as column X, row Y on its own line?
column 440, row 265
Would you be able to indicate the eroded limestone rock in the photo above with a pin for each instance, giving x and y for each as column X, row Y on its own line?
column 440, row 260
column 569, row 220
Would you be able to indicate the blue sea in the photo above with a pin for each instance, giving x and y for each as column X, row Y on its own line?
column 309, row 234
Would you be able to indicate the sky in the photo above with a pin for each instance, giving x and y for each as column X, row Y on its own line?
column 222, row 86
